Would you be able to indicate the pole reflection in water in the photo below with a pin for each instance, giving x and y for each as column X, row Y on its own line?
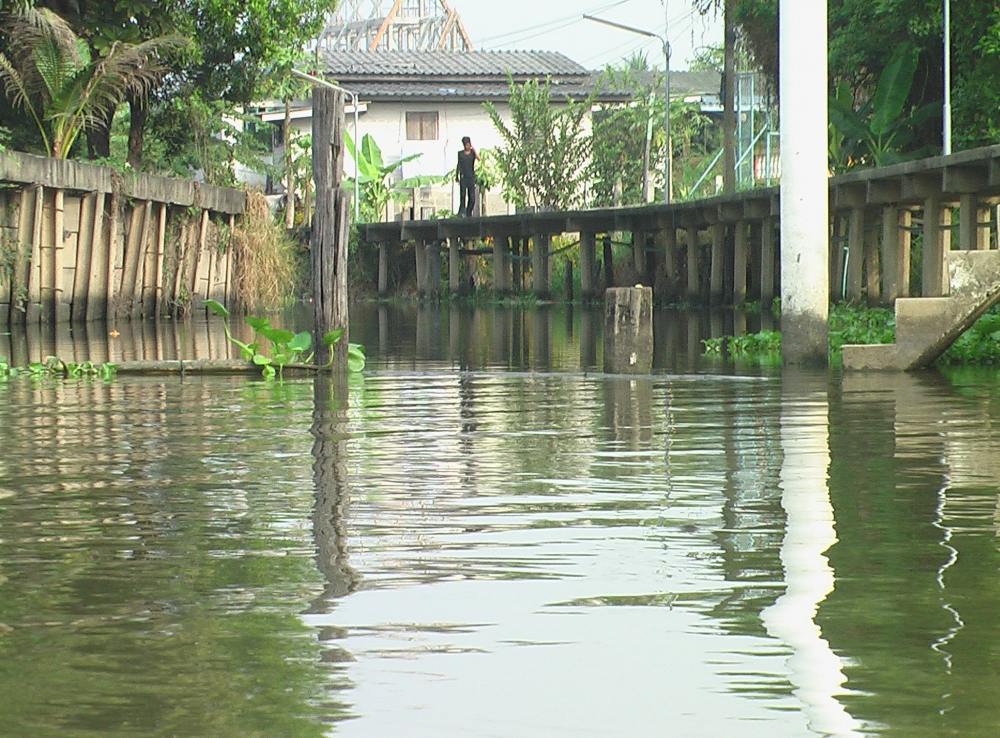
column 330, row 437
column 816, row 671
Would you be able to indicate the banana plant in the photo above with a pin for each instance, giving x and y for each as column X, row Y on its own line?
column 881, row 131
column 375, row 177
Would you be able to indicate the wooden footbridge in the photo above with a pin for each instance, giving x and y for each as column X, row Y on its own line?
column 727, row 249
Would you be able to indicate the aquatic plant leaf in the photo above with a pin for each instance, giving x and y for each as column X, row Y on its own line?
column 331, row 337
column 355, row 358
column 258, row 324
column 300, row 341
column 261, row 360
column 217, row 307
column 277, row 336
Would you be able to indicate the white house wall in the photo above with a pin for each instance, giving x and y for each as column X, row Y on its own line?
column 386, row 123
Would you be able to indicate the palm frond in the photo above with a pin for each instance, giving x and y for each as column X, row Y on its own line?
column 14, row 90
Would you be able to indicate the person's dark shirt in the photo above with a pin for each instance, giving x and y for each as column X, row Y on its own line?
column 467, row 165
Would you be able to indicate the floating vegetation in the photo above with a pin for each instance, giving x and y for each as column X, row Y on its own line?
column 53, row 366
column 287, row 347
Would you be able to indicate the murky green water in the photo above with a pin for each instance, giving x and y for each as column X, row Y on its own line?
column 484, row 536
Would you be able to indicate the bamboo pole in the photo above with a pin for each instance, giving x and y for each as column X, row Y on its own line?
column 146, row 264
column 84, row 257
column 100, row 248
column 161, row 245
column 53, row 308
column 34, row 307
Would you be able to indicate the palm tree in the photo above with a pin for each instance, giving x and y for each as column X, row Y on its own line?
column 50, row 73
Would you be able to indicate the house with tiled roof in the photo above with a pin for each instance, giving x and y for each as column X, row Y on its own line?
column 424, row 102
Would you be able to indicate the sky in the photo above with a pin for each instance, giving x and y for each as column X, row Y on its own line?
column 557, row 25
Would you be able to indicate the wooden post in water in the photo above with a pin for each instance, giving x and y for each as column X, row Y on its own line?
column 718, row 261
column 330, row 225
column 740, row 256
column 609, row 259
column 587, row 257
column 383, row 269
column 693, row 277
column 540, row 265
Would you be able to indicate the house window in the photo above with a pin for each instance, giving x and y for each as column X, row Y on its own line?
column 421, row 126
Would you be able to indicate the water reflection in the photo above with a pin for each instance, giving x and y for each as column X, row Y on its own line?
column 485, row 536
column 816, row 671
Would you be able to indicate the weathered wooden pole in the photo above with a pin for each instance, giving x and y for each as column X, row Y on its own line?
column 718, row 263
column 693, row 277
column 766, row 262
column 890, row 254
column 540, row 266
column 740, row 256
column 805, row 223
column 588, row 241
column 330, row 225
column 855, row 253
column 609, row 258
column 383, row 269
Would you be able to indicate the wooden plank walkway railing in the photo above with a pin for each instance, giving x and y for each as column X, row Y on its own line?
column 727, row 248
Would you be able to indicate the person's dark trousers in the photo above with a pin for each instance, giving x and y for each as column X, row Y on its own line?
column 466, row 197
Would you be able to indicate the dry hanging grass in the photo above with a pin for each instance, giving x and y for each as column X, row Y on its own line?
column 264, row 267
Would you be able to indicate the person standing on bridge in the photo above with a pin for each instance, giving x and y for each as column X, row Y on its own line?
column 465, row 175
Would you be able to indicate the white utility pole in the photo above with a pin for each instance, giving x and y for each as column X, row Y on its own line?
column 946, row 132
column 805, row 220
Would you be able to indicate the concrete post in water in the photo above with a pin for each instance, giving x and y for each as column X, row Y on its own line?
column 766, row 262
column 587, row 258
column 540, row 266
column 855, row 253
column 968, row 223
column 890, row 254
column 740, row 255
column 420, row 267
column 693, row 277
column 433, row 267
column 905, row 236
column 717, row 277
column 330, row 225
column 805, row 236
column 568, row 281
column 933, row 249
column 873, row 268
column 517, row 284
column 628, row 330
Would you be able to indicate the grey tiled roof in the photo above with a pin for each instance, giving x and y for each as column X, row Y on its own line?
column 450, row 64
column 472, row 91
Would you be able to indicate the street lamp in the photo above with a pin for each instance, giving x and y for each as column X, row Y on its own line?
column 666, row 84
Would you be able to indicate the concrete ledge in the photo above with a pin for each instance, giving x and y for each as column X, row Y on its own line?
column 78, row 176
column 871, row 357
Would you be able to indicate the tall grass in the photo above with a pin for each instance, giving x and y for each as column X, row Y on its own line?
column 264, row 253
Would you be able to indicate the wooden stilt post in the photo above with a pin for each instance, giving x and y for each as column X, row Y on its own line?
column 693, row 277
column 767, row 286
column 454, row 267
column 669, row 236
column 588, row 244
column 873, row 268
column 609, row 262
column 740, row 255
column 330, row 226
column 540, row 265
column 383, row 269
column 718, row 262
column 905, row 238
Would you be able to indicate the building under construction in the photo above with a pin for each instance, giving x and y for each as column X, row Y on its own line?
column 403, row 25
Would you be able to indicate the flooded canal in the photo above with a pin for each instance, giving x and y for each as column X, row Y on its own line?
column 486, row 536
